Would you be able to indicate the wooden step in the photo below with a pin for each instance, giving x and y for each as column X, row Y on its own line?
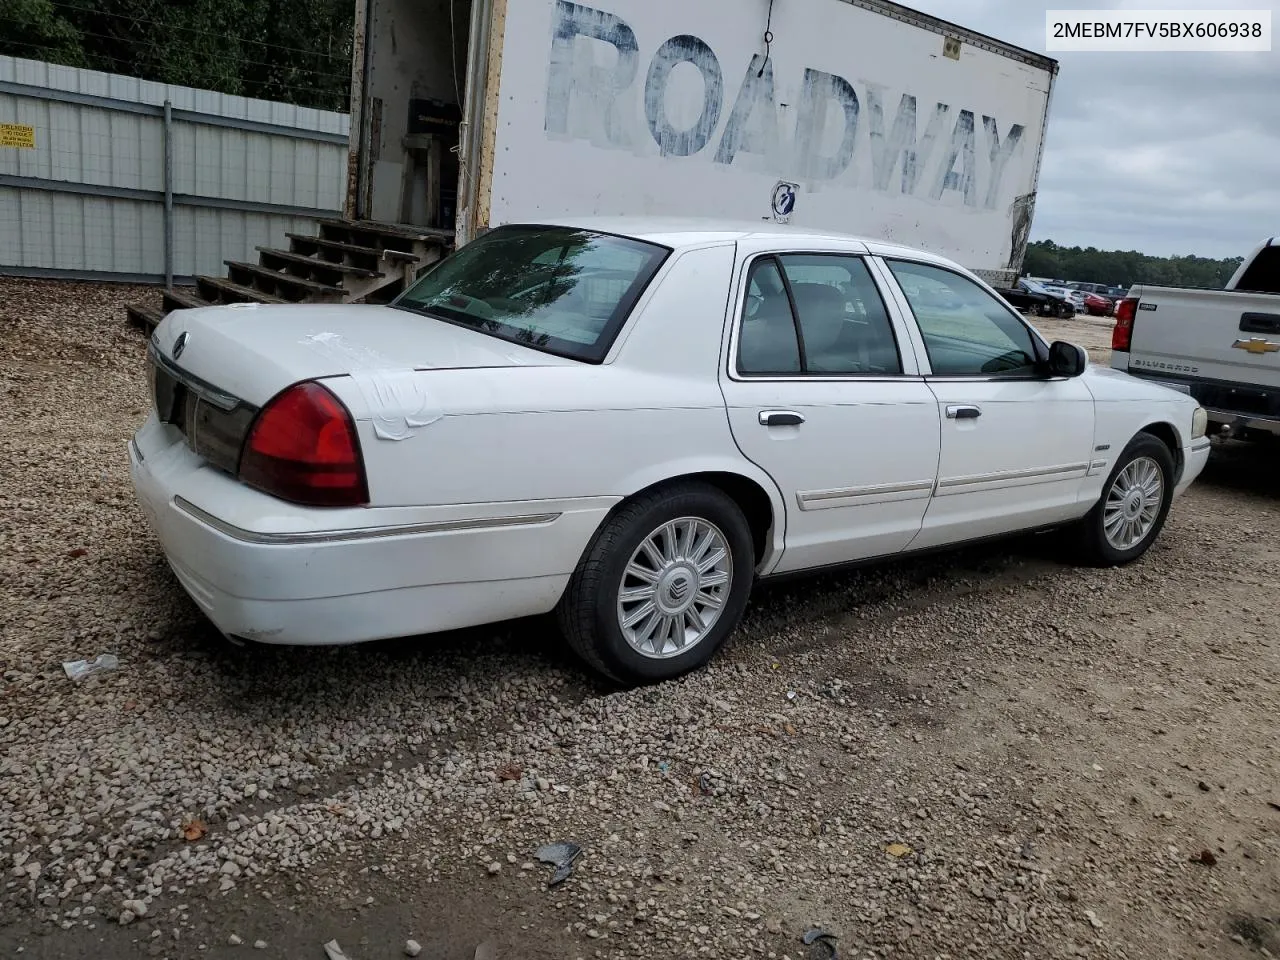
column 315, row 263
column 227, row 291
column 175, row 299
column 399, row 230
column 260, row 274
column 352, row 249
column 148, row 318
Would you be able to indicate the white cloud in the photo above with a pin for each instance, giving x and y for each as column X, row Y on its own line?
column 1168, row 153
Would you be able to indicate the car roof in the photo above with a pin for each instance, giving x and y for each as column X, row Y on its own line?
column 684, row 232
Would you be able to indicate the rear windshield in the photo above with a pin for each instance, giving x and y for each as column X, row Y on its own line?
column 561, row 290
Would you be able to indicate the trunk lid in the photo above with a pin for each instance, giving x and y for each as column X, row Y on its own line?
column 253, row 351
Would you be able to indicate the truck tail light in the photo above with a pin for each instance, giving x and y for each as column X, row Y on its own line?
column 303, row 447
column 1122, row 332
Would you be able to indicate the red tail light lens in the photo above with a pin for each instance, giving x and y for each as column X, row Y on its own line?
column 1122, row 332
column 303, row 448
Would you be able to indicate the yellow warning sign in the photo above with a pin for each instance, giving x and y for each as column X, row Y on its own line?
column 19, row 135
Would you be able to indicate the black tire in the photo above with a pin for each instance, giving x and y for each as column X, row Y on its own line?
column 1091, row 544
column 588, row 611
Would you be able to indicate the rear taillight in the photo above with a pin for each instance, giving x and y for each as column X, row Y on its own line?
column 303, row 447
column 1122, row 332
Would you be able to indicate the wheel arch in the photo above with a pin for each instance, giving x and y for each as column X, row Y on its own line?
column 1167, row 434
column 755, row 494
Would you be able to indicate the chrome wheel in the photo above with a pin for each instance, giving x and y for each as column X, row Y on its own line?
column 675, row 587
column 1133, row 503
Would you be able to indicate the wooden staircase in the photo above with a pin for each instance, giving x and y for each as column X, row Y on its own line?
column 348, row 261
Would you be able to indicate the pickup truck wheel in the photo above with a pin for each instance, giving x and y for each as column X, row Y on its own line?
column 1135, row 502
column 662, row 585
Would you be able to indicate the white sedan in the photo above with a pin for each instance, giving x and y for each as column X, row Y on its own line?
column 629, row 423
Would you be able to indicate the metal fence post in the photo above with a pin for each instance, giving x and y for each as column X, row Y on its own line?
column 168, row 195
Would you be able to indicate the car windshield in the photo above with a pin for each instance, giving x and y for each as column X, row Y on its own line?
column 1031, row 286
column 561, row 290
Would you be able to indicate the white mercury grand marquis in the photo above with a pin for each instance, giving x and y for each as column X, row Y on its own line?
column 629, row 422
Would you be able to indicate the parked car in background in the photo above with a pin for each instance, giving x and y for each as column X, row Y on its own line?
column 1096, row 305
column 1220, row 346
column 1030, row 296
column 1065, row 296
column 1099, row 288
column 629, row 423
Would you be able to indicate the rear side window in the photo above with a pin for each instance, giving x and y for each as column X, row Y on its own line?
column 1263, row 274
column 817, row 314
column 557, row 289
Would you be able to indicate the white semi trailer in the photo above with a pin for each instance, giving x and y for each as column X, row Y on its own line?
column 861, row 116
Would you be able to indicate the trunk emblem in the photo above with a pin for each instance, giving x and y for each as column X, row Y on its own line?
column 1256, row 346
column 180, row 344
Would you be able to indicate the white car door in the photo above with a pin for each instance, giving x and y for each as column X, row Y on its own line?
column 1016, row 442
column 823, row 393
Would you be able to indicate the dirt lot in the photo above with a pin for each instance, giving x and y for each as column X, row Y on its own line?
column 984, row 754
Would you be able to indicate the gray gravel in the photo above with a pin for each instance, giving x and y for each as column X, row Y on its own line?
column 982, row 754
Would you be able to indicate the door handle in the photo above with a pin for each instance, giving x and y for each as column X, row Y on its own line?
column 780, row 418
column 963, row 412
column 1260, row 323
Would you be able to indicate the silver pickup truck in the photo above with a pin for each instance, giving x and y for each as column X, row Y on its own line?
column 1220, row 346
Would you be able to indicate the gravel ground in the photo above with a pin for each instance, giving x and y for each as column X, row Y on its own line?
column 1092, row 333
column 983, row 754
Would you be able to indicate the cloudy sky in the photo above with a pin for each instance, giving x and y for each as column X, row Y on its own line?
column 1167, row 153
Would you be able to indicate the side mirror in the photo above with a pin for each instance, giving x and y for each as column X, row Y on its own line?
column 1066, row 359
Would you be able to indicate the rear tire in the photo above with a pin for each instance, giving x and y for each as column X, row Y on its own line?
column 662, row 585
column 1135, row 501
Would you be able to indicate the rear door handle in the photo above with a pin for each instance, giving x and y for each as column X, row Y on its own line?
column 963, row 412
column 780, row 418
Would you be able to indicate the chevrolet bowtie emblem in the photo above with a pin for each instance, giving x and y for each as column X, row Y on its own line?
column 1256, row 345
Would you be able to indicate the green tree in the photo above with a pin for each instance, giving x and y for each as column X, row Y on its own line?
column 296, row 51
column 35, row 29
column 1123, row 268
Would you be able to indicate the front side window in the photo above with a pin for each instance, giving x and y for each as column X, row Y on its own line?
column 966, row 331
column 557, row 289
column 818, row 314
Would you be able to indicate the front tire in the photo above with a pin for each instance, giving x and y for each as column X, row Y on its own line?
column 1134, row 505
column 662, row 585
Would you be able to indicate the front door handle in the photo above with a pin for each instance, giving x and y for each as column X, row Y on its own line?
column 780, row 418
column 963, row 412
